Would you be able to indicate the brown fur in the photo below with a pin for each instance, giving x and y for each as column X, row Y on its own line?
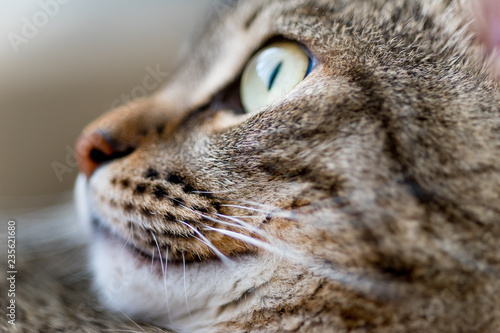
column 380, row 170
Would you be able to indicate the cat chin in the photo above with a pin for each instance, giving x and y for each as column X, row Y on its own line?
column 129, row 285
column 171, row 294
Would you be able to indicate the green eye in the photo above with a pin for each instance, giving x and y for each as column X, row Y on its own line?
column 271, row 73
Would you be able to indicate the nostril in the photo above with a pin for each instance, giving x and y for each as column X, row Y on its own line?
column 94, row 149
column 98, row 156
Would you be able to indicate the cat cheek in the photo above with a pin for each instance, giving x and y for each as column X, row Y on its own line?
column 224, row 120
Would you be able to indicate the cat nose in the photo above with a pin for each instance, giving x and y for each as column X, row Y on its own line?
column 94, row 149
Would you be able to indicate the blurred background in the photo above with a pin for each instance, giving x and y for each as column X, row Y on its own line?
column 63, row 63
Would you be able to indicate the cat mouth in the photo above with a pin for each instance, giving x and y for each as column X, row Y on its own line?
column 99, row 227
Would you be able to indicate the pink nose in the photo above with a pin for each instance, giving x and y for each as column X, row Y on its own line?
column 93, row 150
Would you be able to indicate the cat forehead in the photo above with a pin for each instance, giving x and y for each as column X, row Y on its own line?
column 309, row 20
column 236, row 30
column 326, row 28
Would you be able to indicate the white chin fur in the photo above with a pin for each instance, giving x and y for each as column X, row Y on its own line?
column 82, row 204
column 186, row 301
column 184, row 298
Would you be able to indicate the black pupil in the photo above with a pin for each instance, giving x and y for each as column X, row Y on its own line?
column 276, row 71
column 273, row 76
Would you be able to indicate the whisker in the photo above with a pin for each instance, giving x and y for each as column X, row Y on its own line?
column 199, row 213
column 116, row 331
column 243, row 224
column 244, row 207
column 169, row 312
column 254, row 203
column 142, row 329
column 185, row 287
column 158, row 247
column 242, row 216
column 152, row 261
column 208, row 243
column 163, row 269
column 126, row 242
column 240, row 224
column 219, row 221
column 214, row 192
column 132, row 233
column 246, row 239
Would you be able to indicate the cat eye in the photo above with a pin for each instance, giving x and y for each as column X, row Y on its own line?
column 271, row 73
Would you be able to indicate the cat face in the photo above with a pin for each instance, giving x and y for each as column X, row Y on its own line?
column 304, row 163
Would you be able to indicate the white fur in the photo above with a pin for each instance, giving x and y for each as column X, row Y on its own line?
column 186, row 301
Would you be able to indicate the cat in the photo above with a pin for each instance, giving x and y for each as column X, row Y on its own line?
column 315, row 166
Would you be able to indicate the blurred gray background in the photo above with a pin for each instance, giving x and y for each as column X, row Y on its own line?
column 63, row 63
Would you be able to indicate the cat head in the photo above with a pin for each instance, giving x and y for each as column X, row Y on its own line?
column 313, row 162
